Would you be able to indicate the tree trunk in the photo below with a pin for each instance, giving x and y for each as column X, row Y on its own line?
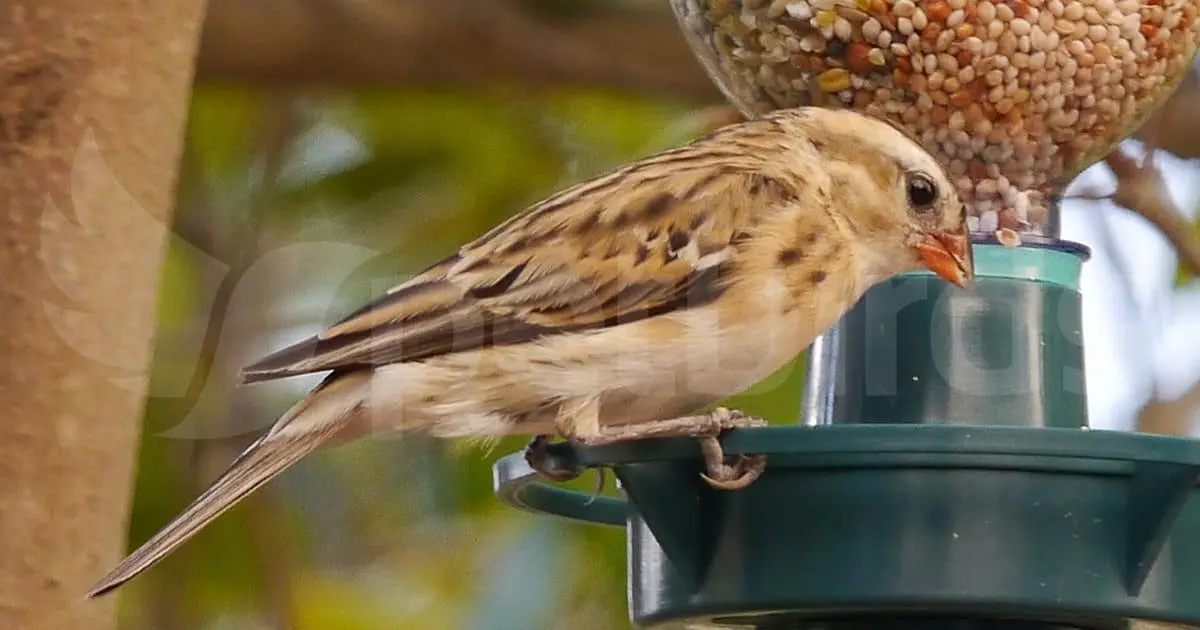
column 93, row 95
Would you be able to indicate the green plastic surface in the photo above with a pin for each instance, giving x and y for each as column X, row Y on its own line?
column 919, row 350
column 968, row 494
column 1080, row 527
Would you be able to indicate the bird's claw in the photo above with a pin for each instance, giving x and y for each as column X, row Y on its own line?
column 748, row 468
column 722, row 419
column 722, row 476
column 537, row 456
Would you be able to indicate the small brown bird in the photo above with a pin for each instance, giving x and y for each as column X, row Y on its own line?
column 608, row 310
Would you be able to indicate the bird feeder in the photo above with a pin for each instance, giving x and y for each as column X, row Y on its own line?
column 943, row 474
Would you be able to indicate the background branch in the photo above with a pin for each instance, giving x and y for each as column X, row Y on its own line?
column 1141, row 190
column 450, row 43
column 1170, row 417
column 1173, row 127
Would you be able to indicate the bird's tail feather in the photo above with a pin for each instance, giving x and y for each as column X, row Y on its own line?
column 306, row 426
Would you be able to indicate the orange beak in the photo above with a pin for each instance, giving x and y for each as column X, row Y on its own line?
column 949, row 255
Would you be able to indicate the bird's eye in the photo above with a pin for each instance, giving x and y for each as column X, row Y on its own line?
column 922, row 192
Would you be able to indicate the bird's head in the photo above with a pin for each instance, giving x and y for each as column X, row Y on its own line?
column 936, row 224
column 895, row 195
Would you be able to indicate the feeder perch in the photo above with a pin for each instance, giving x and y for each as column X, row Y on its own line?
column 943, row 475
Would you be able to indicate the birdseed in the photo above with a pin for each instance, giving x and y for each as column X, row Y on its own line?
column 1008, row 237
column 1016, row 97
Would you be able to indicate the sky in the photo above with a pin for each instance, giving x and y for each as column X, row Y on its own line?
column 1141, row 335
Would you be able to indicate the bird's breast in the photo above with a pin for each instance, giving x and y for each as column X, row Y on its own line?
column 674, row 365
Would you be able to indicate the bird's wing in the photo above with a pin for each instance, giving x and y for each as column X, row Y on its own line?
column 648, row 239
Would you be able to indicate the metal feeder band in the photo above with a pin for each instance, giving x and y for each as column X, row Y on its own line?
column 944, row 478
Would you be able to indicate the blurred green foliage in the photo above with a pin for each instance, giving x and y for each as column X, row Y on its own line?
column 401, row 533
column 1184, row 276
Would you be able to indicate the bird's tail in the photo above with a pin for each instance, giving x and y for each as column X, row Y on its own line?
column 324, row 413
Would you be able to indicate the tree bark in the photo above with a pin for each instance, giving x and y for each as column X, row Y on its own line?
column 93, row 95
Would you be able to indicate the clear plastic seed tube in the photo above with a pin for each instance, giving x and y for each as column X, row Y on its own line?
column 1016, row 97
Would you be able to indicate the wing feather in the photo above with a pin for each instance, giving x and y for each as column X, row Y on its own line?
column 602, row 253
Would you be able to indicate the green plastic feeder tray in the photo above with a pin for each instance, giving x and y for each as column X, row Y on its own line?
column 944, row 477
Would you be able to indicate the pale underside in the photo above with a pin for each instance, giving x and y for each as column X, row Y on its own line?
column 633, row 373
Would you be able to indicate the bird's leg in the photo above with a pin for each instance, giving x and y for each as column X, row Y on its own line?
column 707, row 427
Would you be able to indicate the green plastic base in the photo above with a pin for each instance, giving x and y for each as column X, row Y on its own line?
column 946, row 479
column 915, row 622
column 918, row 350
column 1072, row 527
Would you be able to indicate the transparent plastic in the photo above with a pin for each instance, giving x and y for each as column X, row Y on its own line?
column 1016, row 97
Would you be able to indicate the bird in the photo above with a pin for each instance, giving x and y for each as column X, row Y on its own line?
column 607, row 310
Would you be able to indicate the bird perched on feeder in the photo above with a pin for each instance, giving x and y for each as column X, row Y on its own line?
column 607, row 310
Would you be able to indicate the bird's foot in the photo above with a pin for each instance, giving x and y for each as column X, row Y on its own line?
column 537, row 455
column 706, row 427
column 720, row 475
column 721, row 419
